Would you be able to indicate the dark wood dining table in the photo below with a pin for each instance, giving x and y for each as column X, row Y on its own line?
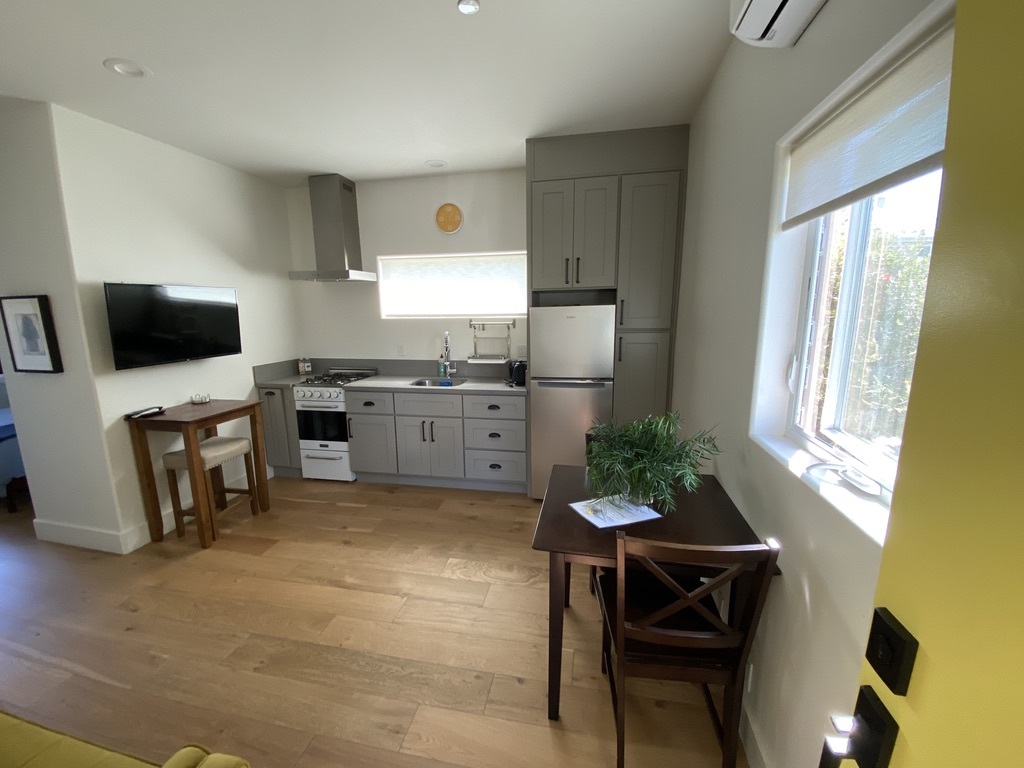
column 191, row 419
column 706, row 517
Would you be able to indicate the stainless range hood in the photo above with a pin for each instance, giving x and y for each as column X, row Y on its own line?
column 339, row 256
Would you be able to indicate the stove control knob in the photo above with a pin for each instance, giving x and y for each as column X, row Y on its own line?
column 318, row 393
column 299, row 393
column 335, row 394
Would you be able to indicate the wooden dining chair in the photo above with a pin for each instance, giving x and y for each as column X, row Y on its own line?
column 214, row 451
column 688, row 613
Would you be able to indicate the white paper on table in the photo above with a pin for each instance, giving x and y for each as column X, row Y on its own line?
column 613, row 511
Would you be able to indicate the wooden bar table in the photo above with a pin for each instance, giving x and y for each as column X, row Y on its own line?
column 706, row 517
column 190, row 419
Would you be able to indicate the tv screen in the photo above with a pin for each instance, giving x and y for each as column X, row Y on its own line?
column 157, row 324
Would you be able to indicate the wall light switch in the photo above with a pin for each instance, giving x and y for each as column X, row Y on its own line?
column 521, row 350
column 891, row 651
column 401, row 350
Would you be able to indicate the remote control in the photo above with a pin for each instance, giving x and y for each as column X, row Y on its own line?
column 143, row 412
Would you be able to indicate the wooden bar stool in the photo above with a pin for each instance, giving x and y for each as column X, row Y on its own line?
column 214, row 451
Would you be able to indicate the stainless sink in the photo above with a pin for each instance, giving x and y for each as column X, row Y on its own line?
column 437, row 382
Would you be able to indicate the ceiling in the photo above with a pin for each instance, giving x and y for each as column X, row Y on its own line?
column 368, row 88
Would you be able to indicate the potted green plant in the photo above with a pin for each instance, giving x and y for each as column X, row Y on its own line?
column 646, row 460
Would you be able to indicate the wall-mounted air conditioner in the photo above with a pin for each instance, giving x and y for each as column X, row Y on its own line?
column 772, row 23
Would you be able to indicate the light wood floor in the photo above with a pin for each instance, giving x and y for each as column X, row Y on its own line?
column 353, row 625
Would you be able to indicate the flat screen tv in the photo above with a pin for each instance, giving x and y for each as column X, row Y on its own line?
column 157, row 324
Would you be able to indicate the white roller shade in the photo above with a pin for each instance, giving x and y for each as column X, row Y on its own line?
column 453, row 285
column 891, row 131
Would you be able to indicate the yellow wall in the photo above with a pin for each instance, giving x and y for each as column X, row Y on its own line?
column 953, row 564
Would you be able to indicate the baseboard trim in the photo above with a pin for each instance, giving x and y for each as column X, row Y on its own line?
column 755, row 759
column 117, row 542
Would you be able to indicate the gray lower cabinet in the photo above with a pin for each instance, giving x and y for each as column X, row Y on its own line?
column 574, row 232
column 495, row 430
column 641, row 375
column 430, row 445
column 648, row 244
column 278, row 425
column 373, row 446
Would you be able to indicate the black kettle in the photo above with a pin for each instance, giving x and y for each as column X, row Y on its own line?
column 517, row 373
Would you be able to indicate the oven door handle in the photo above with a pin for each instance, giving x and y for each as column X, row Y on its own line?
column 323, row 458
column 304, row 407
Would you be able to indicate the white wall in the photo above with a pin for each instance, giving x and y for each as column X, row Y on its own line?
column 809, row 648
column 57, row 415
column 396, row 216
column 136, row 211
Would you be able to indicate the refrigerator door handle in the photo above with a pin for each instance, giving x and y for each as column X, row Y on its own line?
column 573, row 383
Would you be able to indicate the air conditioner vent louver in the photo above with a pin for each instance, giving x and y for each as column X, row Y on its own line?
column 772, row 23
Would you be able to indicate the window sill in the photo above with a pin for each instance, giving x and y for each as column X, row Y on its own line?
column 869, row 513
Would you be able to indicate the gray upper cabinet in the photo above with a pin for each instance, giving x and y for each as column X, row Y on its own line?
column 575, row 228
column 648, row 244
column 641, row 375
column 595, row 230
column 551, row 246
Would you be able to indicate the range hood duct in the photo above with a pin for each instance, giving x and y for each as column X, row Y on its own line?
column 339, row 256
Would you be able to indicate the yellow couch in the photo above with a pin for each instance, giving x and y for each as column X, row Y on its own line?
column 24, row 744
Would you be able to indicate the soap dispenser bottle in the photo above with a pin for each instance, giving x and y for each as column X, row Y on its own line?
column 440, row 366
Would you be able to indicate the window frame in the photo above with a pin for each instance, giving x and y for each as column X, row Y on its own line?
column 830, row 441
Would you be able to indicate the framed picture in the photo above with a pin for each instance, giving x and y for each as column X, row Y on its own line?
column 30, row 334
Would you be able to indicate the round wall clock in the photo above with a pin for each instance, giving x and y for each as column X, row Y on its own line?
column 448, row 218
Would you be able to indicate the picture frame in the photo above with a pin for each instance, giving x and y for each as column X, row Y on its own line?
column 31, row 335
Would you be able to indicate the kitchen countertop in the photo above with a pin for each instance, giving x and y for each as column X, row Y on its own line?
column 468, row 386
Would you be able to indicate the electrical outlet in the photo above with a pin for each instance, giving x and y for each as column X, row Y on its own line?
column 521, row 350
column 401, row 350
column 750, row 678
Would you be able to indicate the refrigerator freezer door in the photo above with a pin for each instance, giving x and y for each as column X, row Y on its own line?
column 572, row 342
column 561, row 412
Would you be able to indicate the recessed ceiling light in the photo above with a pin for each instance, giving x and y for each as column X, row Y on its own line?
column 436, row 164
column 469, row 7
column 126, row 67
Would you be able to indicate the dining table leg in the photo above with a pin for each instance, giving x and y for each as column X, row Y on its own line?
column 259, row 453
column 557, row 595
column 147, row 481
column 201, row 501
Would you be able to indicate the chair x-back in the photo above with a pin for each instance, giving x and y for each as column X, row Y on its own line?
column 688, row 613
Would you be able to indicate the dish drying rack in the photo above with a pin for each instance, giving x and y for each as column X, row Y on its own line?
column 491, row 349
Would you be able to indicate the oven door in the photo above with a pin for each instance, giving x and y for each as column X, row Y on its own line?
column 322, row 425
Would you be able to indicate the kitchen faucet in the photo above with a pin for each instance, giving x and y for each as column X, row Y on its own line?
column 449, row 369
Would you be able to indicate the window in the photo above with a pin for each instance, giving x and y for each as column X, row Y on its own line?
column 861, row 191
column 868, row 274
column 476, row 285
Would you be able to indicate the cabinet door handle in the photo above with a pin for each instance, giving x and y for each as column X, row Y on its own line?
column 495, row 466
column 622, row 311
column 432, row 432
column 495, row 435
column 423, row 431
column 567, row 270
column 577, row 269
column 493, row 407
column 620, row 349
column 369, row 404
column 270, row 393
column 350, row 427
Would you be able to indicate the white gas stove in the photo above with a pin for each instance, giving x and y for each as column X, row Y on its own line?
column 323, row 423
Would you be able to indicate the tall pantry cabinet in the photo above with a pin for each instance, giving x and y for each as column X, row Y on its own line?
column 604, row 224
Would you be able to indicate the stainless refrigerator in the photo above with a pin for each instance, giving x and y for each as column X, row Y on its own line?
column 572, row 358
